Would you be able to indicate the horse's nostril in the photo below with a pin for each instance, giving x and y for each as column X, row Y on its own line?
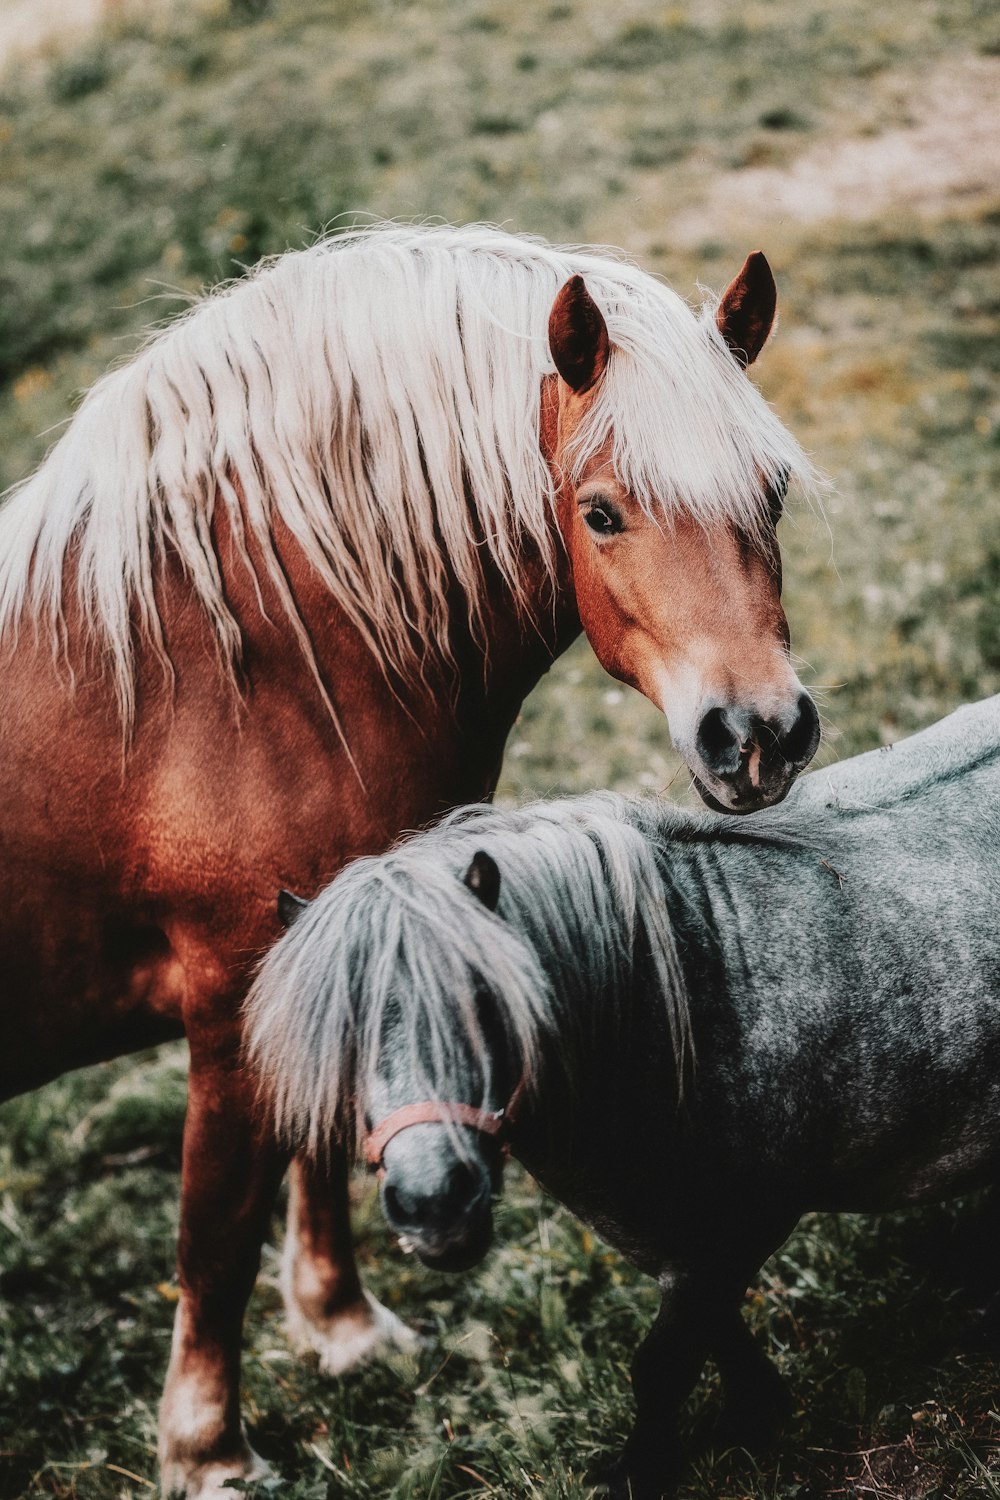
column 727, row 736
column 798, row 744
column 718, row 742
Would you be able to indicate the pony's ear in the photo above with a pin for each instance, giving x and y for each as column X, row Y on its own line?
column 578, row 336
column 483, row 879
column 746, row 312
column 290, row 908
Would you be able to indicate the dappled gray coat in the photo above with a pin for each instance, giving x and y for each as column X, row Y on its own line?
column 723, row 1025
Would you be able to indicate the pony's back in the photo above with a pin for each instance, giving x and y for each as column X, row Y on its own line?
column 926, row 763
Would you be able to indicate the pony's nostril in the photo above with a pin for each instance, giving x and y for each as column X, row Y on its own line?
column 461, row 1186
column 447, row 1203
column 401, row 1209
column 799, row 743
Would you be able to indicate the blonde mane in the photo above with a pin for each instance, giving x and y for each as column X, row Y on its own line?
column 379, row 395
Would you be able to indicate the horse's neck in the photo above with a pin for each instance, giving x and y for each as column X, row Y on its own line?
column 496, row 658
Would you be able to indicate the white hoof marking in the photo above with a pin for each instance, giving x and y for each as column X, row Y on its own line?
column 357, row 1336
column 209, row 1481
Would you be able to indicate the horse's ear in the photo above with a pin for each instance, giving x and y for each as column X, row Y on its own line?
column 290, row 908
column 483, row 879
column 578, row 336
column 746, row 312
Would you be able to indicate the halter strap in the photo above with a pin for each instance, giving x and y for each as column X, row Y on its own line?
column 496, row 1122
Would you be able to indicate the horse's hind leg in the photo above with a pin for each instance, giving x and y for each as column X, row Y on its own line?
column 327, row 1309
column 232, row 1169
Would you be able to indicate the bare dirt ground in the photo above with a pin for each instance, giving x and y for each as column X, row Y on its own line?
column 944, row 158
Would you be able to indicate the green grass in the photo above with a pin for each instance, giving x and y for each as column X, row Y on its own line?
column 163, row 155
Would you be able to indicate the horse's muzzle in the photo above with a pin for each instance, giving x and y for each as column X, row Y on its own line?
column 749, row 761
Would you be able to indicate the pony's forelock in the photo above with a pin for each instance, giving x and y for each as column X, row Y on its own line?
column 379, row 395
column 386, row 941
column 402, row 934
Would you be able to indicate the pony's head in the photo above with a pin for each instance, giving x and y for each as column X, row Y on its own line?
column 401, row 1011
column 423, row 1001
column 436, row 1145
column 673, row 474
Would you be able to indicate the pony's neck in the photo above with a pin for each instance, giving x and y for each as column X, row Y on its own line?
column 611, row 1089
column 603, row 1140
column 605, row 1134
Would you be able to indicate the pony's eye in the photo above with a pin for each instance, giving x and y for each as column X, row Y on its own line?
column 603, row 519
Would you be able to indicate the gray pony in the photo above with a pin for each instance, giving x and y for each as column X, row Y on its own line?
column 690, row 1031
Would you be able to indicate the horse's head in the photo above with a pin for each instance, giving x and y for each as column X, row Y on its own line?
column 680, row 592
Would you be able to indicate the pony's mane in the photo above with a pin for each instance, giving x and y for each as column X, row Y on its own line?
column 581, row 904
column 379, row 394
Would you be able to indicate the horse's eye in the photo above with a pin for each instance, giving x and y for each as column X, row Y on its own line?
column 603, row 519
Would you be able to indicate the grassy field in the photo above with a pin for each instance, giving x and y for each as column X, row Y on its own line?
column 162, row 155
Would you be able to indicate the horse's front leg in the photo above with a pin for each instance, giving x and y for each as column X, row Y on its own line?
column 327, row 1309
column 231, row 1171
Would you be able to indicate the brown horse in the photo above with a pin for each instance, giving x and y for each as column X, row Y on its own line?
column 278, row 593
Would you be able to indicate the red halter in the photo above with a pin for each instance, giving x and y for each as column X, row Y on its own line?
column 496, row 1123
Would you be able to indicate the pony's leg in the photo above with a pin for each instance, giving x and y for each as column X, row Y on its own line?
column 664, row 1370
column 327, row 1309
column 231, row 1172
column 757, row 1400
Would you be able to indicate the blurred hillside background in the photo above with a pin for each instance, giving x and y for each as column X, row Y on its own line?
column 149, row 151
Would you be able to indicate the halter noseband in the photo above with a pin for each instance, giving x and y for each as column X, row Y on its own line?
column 496, row 1123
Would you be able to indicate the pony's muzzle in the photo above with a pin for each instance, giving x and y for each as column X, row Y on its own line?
column 751, row 760
column 437, row 1202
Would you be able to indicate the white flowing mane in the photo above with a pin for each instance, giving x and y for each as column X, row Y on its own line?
column 379, row 394
column 400, row 934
